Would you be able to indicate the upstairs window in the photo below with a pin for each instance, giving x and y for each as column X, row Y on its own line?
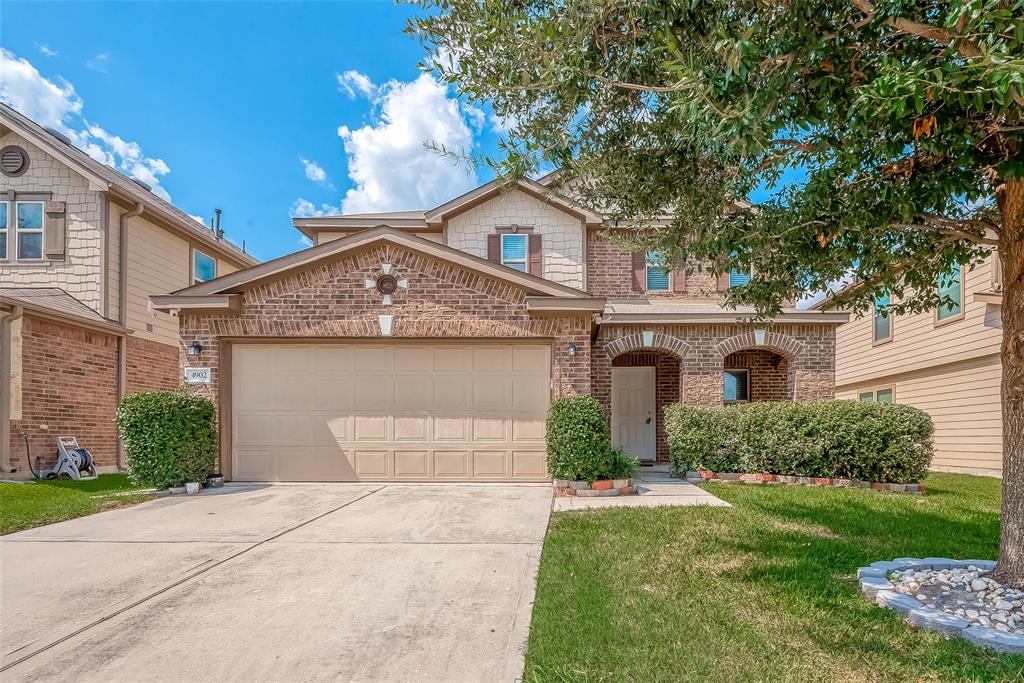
column 30, row 230
column 203, row 267
column 4, row 208
column 881, row 322
column 513, row 251
column 737, row 386
column 738, row 278
column 950, row 294
column 657, row 273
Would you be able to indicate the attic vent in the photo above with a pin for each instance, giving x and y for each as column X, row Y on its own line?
column 144, row 186
column 57, row 134
column 13, row 161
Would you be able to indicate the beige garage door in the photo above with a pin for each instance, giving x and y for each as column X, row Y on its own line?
column 389, row 411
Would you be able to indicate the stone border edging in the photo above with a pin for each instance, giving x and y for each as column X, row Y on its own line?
column 876, row 587
column 601, row 487
column 762, row 478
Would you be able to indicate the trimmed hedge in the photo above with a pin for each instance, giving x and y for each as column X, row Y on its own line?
column 580, row 444
column 169, row 437
column 878, row 442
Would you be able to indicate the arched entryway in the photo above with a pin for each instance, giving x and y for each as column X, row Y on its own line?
column 753, row 375
column 643, row 383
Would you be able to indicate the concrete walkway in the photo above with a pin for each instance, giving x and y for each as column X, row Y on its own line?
column 302, row 582
column 655, row 488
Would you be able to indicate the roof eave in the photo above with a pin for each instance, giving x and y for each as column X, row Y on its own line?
column 724, row 317
column 67, row 318
column 210, row 303
column 562, row 304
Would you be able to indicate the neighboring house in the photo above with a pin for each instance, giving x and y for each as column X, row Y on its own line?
column 82, row 247
column 427, row 345
column 943, row 361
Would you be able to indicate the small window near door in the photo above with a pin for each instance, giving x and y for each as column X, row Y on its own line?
column 513, row 251
column 950, row 294
column 657, row 273
column 203, row 267
column 737, row 386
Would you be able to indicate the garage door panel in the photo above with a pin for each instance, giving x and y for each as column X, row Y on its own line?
column 379, row 411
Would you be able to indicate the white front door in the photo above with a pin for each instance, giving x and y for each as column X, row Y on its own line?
column 633, row 411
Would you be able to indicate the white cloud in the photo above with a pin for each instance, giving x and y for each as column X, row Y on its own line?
column 57, row 106
column 303, row 208
column 388, row 160
column 503, row 124
column 198, row 219
column 46, row 50
column 353, row 83
column 316, row 172
column 98, row 63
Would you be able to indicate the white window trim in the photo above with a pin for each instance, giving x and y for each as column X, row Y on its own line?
column 525, row 261
column 963, row 293
column 195, row 279
column 647, row 270
column 32, row 231
column 890, row 318
column 7, row 231
column 746, row 374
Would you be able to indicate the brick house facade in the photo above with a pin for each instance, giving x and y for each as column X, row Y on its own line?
column 459, row 275
column 108, row 243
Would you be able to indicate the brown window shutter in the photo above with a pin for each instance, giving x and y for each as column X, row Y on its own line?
column 679, row 279
column 535, row 255
column 723, row 282
column 494, row 248
column 54, row 230
column 639, row 271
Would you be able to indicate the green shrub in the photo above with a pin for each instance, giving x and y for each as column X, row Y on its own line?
column 169, row 437
column 882, row 442
column 623, row 466
column 578, row 439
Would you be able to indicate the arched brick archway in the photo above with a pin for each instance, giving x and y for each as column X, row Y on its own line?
column 659, row 341
column 782, row 345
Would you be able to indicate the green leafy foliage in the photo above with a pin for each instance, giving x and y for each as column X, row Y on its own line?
column 580, row 445
column 169, row 437
column 882, row 442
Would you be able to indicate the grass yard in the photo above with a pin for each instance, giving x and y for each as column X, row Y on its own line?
column 764, row 591
column 23, row 506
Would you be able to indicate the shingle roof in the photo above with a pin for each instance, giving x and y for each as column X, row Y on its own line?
column 54, row 300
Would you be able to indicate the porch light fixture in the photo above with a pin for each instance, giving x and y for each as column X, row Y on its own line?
column 759, row 336
column 571, row 350
column 194, row 349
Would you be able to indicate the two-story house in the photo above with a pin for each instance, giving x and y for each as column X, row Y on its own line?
column 943, row 361
column 82, row 247
column 427, row 345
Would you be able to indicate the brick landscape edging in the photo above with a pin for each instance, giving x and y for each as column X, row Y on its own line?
column 601, row 487
column 876, row 587
column 761, row 478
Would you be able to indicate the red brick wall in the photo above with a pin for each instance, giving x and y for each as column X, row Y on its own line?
column 666, row 388
column 769, row 373
column 69, row 386
column 150, row 366
column 610, row 274
column 443, row 300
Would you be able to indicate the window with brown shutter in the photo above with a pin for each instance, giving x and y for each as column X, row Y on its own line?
column 679, row 279
column 639, row 271
column 723, row 282
column 535, row 255
column 494, row 248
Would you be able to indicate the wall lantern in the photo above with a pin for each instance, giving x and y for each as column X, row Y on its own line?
column 572, row 350
column 194, row 349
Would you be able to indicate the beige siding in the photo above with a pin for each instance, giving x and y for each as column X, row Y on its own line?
column 963, row 400
column 562, row 251
column 158, row 263
column 918, row 342
column 225, row 268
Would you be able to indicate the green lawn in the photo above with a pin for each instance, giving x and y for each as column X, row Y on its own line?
column 764, row 591
column 23, row 506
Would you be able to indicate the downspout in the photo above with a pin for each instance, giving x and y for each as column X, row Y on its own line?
column 5, row 387
column 122, row 311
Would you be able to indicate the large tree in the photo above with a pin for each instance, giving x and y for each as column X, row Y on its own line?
column 884, row 135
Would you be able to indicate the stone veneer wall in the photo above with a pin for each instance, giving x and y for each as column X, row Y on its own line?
column 810, row 350
column 80, row 274
column 562, row 244
column 69, row 386
column 443, row 301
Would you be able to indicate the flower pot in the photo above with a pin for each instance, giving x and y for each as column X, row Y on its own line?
column 192, row 488
column 176, row 490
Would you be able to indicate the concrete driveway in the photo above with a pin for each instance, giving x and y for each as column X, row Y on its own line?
column 291, row 582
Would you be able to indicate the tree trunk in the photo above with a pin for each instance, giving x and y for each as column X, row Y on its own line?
column 1011, row 254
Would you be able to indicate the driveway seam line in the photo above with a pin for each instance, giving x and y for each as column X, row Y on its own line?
column 161, row 591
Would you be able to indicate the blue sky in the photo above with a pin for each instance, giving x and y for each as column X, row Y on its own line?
column 262, row 109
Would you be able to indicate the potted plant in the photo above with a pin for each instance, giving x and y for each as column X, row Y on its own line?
column 581, row 460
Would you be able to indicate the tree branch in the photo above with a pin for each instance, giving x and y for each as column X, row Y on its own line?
column 949, row 227
column 917, row 28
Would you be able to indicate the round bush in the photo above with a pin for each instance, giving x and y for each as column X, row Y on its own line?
column 169, row 437
column 578, row 439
